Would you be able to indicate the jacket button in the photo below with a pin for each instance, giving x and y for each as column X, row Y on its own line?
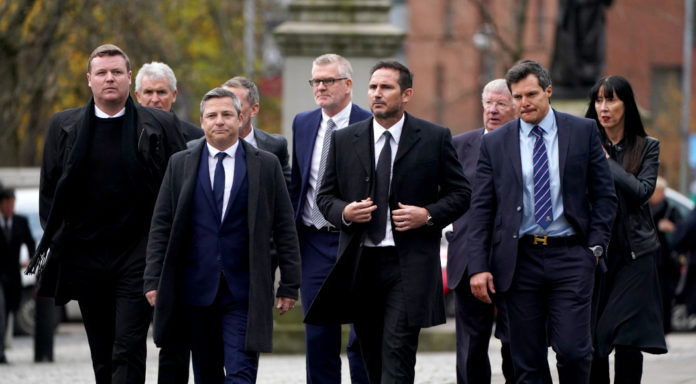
column 514, row 236
column 633, row 255
column 519, row 208
column 367, row 179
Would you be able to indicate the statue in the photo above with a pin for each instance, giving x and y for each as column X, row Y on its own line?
column 578, row 58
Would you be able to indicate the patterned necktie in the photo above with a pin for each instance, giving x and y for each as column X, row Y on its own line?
column 543, row 211
column 219, row 183
column 378, row 224
column 317, row 218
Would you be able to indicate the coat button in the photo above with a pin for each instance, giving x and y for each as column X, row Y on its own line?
column 514, row 236
column 519, row 208
column 633, row 255
column 367, row 179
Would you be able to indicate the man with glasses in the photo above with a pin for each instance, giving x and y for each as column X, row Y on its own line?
column 474, row 318
column 332, row 86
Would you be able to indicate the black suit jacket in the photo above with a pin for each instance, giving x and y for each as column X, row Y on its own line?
column 9, row 259
column 277, row 145
column 270, row 215
column 190, row 131
column 587, row 188
column 425, row 173
column 468, row 146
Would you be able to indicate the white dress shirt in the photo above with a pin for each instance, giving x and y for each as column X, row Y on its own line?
column 251, row 138
column 228, row 166
column 341, row 120
column 378, row 131
column 103, row 115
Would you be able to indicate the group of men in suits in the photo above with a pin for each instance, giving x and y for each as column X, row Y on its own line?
column 355, row 225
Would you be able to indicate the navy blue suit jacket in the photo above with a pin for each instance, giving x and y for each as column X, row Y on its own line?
column 304, row 133
column 468, row 147
column 495, row 216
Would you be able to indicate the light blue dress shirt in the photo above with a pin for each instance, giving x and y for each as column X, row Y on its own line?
column 560, row 226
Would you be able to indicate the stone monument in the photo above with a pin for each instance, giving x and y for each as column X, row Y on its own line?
column 358, row 30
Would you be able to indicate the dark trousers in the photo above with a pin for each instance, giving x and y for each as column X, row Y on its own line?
column 549, row 301
column 174, row 364
column 387, row 343
column 474, row 323
column 323, row 343
column 218, row 335
column 628, row 367
column 4, row 313
column 116, row 323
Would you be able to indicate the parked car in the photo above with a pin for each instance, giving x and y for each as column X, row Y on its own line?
column 27, row 204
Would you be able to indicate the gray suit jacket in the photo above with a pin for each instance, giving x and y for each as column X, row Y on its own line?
column 270, row 215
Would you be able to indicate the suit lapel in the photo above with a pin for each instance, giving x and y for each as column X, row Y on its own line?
column 563, row 143
column 253, row 174
column 240, row 172
column 410, row 135
column 512, row 149
column 363, row 139
column 310, row 138
column 204, row 177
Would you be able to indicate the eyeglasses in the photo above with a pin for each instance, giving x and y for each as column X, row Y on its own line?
column 327, row 82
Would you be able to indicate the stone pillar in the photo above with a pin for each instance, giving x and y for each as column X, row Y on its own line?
column 358, row 30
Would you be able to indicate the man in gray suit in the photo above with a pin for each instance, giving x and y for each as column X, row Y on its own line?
column 248, row 94
column 208, row 254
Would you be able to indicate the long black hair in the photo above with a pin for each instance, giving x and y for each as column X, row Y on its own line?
column 634, row 131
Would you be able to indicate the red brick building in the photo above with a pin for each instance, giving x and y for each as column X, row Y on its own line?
column 455, row 46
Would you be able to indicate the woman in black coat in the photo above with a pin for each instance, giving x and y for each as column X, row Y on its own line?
column 627, row 308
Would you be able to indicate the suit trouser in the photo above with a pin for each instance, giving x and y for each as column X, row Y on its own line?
column 3, row 320
column 115, row 313
column 174, row 364
column 474, row 323
column 387, row 343
column 218, row 338
column 323, row 343
column 551, row 292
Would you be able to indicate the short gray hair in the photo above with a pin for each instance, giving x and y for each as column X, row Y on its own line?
column 155, row 70
column 218, row 93
column 252, row 91
column 344, row 67
column 495, row 86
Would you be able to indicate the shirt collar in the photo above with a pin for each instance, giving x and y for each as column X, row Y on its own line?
column 230, row 151
column 395, row 130
column 341, row 119
column 548, row 124
column 250, row 136
column 103, row 115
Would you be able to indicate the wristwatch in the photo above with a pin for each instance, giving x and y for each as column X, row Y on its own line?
column 597, row 250
column 429, row 220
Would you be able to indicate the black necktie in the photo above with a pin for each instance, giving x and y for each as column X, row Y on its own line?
column 219, row 183
column 378, row 224
column 7, row 230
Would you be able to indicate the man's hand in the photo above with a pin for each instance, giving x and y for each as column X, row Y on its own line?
column 481, row 283
column 409, row 217
column 666, row 226
column 359, row 211
column 285, row 304
column 151, row 297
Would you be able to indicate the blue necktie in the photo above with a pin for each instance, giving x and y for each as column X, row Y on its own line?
column 543, row 211
column 219, row 183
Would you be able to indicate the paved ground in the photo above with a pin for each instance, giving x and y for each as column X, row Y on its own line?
column 72, row 365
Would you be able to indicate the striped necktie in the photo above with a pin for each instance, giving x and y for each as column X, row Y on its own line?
column 543, row 210
column 317, row 218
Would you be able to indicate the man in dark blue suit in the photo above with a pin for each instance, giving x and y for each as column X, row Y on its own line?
column 540, row 220
column 332, row 85
column 208, row 257
column 474, row 318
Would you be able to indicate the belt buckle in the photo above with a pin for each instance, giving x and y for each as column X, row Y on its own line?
column 540, row 240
